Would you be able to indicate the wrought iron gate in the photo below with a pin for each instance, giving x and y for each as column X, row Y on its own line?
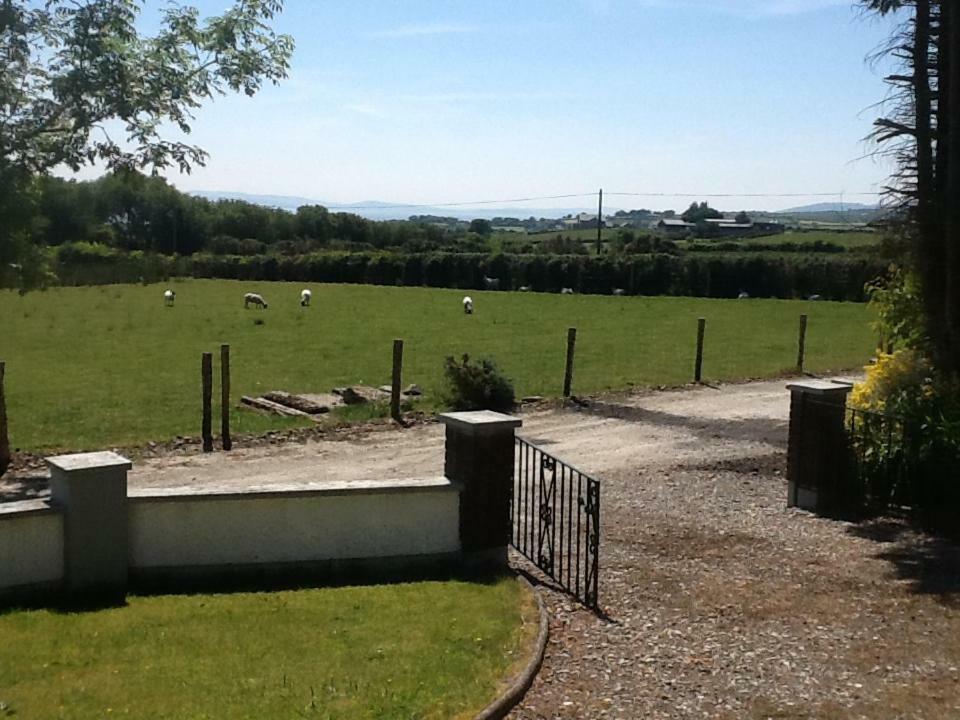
column 555, row 510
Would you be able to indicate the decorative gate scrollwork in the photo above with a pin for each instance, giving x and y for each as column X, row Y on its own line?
column 555, row 510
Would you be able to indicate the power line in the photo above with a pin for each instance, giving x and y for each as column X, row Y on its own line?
column 460, row 204
column 744, row 195
column 568, row 196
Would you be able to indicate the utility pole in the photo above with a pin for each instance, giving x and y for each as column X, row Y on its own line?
column 600, row 224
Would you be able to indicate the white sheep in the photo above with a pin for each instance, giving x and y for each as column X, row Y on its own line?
column 491, row 283
column 619, row 291
column 168, row 297
column 305, row 296
column 566, row 291
column 468, row 305
column 255, row 299
column 525, row 288
column 743, row 295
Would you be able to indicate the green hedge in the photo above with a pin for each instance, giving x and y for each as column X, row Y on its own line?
column 837, row 277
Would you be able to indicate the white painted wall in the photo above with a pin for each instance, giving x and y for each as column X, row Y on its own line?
column 185, row 530
column 31, row 548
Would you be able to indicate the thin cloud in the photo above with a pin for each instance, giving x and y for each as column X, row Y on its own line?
column 426, row 29
column 749, row 8
column 368, row 109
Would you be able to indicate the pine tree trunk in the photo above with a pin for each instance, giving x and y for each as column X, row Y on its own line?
column 950, row 81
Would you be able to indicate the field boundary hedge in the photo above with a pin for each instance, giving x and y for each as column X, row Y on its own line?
column 840, row 276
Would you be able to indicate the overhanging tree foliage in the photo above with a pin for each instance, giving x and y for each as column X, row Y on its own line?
column 80, row 84
column 922, row 133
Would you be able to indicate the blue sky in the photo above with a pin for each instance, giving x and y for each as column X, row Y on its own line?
column 426, row 102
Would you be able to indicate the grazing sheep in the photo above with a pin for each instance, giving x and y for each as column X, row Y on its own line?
column 168, row 297
column 305, row 296
column 491, row 283
column 743, row 295
column 566, row 291
column 525, row 288
column 468, row 305
column 255, row 299
column 619, row 291
column 815, row 297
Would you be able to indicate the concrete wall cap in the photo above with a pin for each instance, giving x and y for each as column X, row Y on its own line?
column 479, row 421
column 820, row 387
column 89, row 462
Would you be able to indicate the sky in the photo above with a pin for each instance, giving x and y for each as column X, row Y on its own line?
column 411, row 101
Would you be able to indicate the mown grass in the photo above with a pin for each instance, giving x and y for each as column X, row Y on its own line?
column 425, row 650
column 110, row 366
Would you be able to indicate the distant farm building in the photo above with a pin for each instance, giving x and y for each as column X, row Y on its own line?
column 583, row 221
column 728, row 227
column 675, row 227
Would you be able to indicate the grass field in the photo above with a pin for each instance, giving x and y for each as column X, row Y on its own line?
column 109, row 366
column 424, row 650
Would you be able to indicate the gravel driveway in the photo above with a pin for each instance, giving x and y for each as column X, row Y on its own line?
column 719, row 601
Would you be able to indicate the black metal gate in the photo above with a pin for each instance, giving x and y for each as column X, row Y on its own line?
column 555, row 510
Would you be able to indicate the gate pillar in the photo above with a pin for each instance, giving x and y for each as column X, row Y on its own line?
column 479, row 457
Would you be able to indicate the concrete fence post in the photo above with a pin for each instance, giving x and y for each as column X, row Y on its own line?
column 817, row 456
column 91, row 489
column 479, row 457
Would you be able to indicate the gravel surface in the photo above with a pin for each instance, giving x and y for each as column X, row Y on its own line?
column 720, row 602
column 723, row 603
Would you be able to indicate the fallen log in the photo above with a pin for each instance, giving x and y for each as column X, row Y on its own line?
column 272, row 407
column 296, row 402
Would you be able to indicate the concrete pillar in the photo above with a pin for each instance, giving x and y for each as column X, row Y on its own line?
column 479, row 457
column 817, row 455
column 91, row 488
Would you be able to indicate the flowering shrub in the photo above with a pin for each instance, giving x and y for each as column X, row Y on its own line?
column 907, row 444
column 892, row 381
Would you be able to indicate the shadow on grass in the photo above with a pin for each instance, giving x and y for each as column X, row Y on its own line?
column 930, row 564
column 762, row 429
column 53, row 600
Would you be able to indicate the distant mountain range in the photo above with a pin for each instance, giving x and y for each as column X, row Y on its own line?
column 377, row 210
column 829, row 207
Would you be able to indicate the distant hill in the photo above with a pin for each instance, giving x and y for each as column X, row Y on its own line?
column 377, row 210
column 284, row 202
column 830, row 207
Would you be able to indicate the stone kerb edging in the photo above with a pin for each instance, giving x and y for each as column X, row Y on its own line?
column 512, row 696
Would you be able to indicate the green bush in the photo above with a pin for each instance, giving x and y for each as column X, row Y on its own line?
column 477, row 385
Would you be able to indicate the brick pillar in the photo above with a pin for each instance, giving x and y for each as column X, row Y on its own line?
column 91, row 488
column 817, row 455
column 479, row 457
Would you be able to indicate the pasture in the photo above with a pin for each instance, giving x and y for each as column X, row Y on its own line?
column 111, row 365
column 425, row 650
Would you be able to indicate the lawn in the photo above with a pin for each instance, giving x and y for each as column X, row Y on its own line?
column 425, row 650
column 111, row 366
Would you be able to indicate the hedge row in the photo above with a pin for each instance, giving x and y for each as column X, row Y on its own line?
column 837, row 277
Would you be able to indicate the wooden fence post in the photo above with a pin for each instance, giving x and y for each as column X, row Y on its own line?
column 225, row 440
column 4, row 436
column 395, row 383
column 568, row 371
column 701, row 329
column 801, row 343
column 206, row 372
